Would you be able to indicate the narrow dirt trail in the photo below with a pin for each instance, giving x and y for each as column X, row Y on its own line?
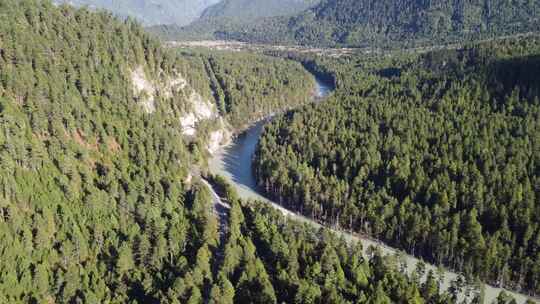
column 221, row 211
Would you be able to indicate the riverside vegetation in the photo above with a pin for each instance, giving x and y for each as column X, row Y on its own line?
column 96, row 203
column 239, row 81
column 436, row 154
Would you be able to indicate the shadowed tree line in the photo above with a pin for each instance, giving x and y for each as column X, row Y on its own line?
column 439, row 157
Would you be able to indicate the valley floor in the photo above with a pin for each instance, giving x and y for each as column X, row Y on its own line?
column 234, row 163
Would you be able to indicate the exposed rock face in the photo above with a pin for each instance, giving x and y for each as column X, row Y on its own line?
column 220, row 132
column 144, row 90
column 218, row 137
column 198, row 109
column 201, row 109
column 173, row 84
column 188, row 123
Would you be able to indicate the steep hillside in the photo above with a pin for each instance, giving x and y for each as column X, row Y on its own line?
column 272, row 259
column 437, row 154
column 229, row 16
column 100, row 129
column 248, row 87
column 381, row 23
column 360, row 22
column 249, row 9
column 92, row 178
column 150, row 12
column 95, row 202
column 101, row 134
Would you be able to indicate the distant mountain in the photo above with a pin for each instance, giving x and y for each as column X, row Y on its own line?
column 360, row 22
column 378, row 23
column 256, row 8
column 151, row 12
column 230, row 17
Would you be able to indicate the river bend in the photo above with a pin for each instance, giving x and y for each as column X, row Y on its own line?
column 234, row 162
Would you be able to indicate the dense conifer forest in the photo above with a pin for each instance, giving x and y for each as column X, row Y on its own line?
column 101, row 202
column 291, row 262
column 93, row 204
column 95, row 200
column 368, row 23
column 435, row 153
column 250, row 10
column 247, row 87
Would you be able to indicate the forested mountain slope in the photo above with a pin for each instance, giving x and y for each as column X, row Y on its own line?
column 248, row 87
column 387, row 23
column 249, row 9
column 97, row 203
column 291, row 262
column 231, row 15
column 96, row 200
column 150, row 12
column 93, row 206
column 436, row 154
column 100, row 129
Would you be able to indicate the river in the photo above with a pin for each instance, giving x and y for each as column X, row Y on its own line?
column 234, row 162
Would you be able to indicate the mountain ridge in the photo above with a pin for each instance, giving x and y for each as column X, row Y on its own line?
column 256, row 8
column 388, row 23
column 148, row 12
